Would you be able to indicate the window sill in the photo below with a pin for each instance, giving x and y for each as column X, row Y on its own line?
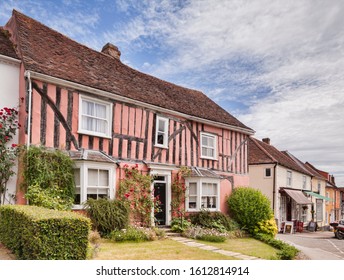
column 89, row 133
column 160, row 146
column 209, row 158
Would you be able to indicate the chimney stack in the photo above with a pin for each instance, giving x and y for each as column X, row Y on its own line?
column 266, row 140
column 111, row 50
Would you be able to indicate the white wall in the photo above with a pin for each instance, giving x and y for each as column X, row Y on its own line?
column 259, row 181
column 9, row 97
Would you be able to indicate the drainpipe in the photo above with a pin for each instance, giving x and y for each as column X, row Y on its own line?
column 274, row 188
column 27, row 74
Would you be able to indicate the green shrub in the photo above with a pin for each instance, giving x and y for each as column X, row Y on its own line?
column 133, row 234
column 179, row 224
column 48, row 178
column 212, row 238
column 286, row 251
column 248, row 207
column 217, row 220
column 268, row 227
column 51, row 198
column 107, row 215
column 36, row 233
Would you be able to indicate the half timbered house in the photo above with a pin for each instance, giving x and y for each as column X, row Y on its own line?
column 106, row 115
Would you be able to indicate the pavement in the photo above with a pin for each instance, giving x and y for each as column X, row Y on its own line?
column 310, row 252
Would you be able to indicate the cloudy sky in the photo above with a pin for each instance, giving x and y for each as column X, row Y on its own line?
column 278, row 66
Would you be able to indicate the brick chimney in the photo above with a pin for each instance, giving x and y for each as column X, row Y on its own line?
column 111, row 50
column 266, row 140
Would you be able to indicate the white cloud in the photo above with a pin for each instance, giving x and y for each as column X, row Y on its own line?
column 283, row 60
column 292, row 49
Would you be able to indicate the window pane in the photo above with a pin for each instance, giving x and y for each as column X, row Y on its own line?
column 192, row 188
column 204, row 140
column 77, row 199
column 77, row 177
column 103, row 178
column 162, row 125
column 92, row 177
column 100, row 111
column 87, row 108
column 160, row 138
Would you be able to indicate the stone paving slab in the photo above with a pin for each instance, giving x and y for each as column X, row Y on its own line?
column 192, row 243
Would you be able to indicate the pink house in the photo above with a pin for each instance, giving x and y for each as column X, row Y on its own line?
column 106, row 115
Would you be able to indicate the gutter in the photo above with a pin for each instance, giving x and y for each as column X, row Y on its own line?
column 274, row 189
column 69, row 84
column 28, row 76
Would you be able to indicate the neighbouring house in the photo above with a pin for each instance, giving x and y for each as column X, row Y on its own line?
column 108, row 115
column 317, row 194
column 334, row 204
column 9, row 91
column 282, row 180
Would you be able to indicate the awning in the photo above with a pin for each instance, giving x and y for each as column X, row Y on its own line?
column 298, row 196
column 318, row 195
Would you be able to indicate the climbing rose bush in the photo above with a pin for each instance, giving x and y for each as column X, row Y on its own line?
column 8, row 152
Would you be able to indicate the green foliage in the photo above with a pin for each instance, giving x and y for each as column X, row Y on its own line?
column 178, row 193
column 51, row 198
column 49, row 173
column 179, row 224
column 217, row 220
column 135, row 191
column 8, row 153
column 287, row 252
column 36, row 233
column 248, row 207
column 133, row 234
column 268, row 227
column 107, row 215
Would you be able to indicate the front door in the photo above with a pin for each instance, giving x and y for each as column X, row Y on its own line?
column 160, row 193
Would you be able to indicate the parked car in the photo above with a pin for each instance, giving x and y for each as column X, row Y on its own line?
column 338, row 228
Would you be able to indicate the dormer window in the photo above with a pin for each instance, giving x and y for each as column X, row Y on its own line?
column 161, row 135
column 208, row 146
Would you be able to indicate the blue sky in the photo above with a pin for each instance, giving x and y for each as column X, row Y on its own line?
column 278, row 66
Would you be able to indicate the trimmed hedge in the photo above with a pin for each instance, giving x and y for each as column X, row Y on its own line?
column 36, row 233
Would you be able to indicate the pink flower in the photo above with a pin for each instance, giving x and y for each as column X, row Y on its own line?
column 14, row 145
column 127, row 195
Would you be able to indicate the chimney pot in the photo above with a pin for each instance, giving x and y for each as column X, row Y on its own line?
column 266, row 140
column 111, row 50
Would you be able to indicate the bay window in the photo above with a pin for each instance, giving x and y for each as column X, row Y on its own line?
column 202, row 193
column 93, row 180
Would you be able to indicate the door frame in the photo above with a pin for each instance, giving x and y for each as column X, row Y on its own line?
column 159, row 171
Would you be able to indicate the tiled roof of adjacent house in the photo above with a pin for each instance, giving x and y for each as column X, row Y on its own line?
column 46, row 51
column 6, row 46
column 260, row 152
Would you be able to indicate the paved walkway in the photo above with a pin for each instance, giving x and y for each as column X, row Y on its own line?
column 192, row 243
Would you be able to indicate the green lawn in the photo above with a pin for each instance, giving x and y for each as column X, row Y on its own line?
column 167, row 249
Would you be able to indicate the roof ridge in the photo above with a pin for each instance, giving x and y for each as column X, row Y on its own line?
column 257, row 142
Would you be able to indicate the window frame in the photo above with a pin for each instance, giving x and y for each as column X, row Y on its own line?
column 209, row 135
column 199, row 193
column 108, row 119
column 289, row 178
column 84, row 168
column 165, row 132
column 270, row 170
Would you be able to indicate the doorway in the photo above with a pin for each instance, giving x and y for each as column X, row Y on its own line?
column 160, row 184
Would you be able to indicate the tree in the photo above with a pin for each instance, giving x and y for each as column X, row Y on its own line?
column 8, row 153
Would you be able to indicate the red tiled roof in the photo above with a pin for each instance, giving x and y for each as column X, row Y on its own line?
column 263, row 153
column 6, row 46
column 46, row 51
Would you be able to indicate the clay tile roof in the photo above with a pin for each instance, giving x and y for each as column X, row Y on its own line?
column 6, row 46
column 48, row 52
column 263, row 153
